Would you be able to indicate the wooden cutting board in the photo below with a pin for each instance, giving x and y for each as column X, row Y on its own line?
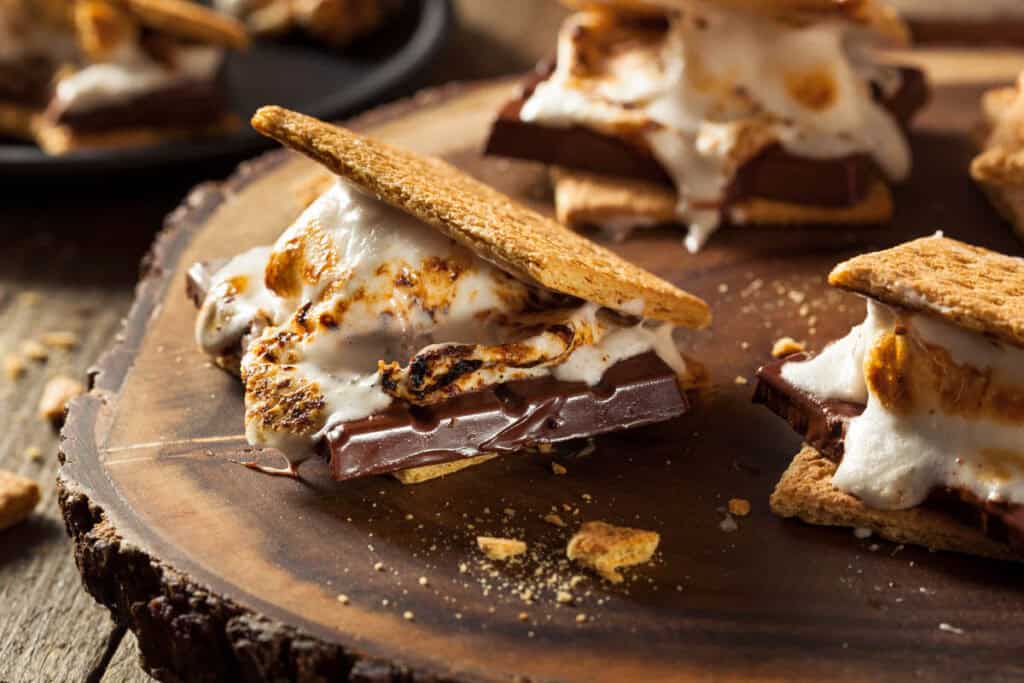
column 225, row 573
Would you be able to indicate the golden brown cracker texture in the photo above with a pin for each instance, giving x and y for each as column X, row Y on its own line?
column 513, row 237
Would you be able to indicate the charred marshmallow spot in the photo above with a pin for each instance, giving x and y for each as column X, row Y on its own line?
column 944, row 407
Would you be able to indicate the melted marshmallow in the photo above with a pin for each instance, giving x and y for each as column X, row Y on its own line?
column 374, row 318
column 134, row 73
column 689, row 89
column 894, row 461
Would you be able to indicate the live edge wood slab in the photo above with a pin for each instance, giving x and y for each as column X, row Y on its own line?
column 224, row 573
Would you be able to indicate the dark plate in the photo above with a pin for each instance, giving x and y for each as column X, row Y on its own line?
column 302, row 76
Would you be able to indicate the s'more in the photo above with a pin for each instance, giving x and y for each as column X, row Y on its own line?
column 414, row 321
column 999, row 167
column 712, row 112
column 914, row 421
column 86, row 74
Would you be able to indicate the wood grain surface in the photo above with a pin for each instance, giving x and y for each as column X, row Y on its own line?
column 76, row 243
column 226, row 573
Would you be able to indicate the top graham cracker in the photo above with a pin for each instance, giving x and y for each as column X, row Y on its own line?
column 974, row 288
column 518, row 240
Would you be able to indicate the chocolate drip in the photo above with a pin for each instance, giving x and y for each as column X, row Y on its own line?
column 823, row 425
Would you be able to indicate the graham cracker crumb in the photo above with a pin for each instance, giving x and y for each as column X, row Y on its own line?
column 500, row 548
column 343, row 599
column 558, row 469
column 33, row 350
column 785, row 346
column 554, row 520
column 378, row 566
column 423, row 581
column 60, row 340
column 408, row 616
column 563, row 597
column 581, row 618
column 14, row 366
column 605, row 547
column 523, row 616
column 57, row 393
column 34, row 453
column 18, row 497
column 740, row 379
column 514, row 238
column 739, row 507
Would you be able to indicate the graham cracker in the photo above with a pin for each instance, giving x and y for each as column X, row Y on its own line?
column 516, row 239
column 999, row 168
column 418, row 475
column 805, row 491
column 18, row 497
column 590, row 199
column 189, row 20
column 972, row 287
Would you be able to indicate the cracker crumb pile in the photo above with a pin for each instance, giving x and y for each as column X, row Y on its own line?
column 500, row 548
column 605, row 548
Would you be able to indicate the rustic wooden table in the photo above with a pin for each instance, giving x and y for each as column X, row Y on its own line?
column 69, row 261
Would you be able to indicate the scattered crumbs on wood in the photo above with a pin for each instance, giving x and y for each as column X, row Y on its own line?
column 558, row 469
column 554, row 520
column 33, row 350
column 57, row 393
column 740, row 379
column 14, row 366
column 500, row 548
column 785, row 346
column 343, row 599
column 34, row 453
column 61, row 339
column 408, row 616
column 739, row 507
column 949, row 628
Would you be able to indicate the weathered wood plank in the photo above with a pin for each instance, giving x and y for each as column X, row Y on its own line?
column 67, row 265
column 124, row 667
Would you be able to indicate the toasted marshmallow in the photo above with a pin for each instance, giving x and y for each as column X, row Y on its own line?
column 944, row 408
column 359, row 304
column 715, row 88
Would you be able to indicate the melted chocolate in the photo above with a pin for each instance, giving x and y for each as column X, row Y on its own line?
column 502, row 419
column 823, row 425
column 772, row 174
column 506, row 418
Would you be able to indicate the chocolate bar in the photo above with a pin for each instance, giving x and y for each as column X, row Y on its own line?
column 502, row 419
column 506, row 418
column 772, row 174
column 823, row 425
